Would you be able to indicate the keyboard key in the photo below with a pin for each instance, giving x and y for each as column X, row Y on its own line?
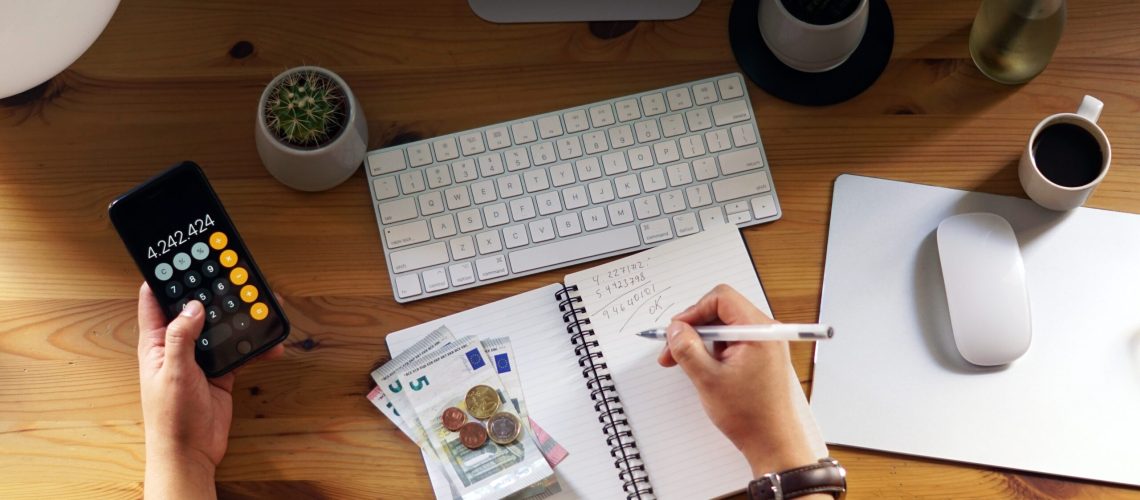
column 646, row 207
column 498, row 138
column 705, row 169
column 614, row 163
column 397, row 210
column 461, row 274
column 627, row 110
column 464, row 170
column 679, row 174
column 711, row 216
column 666, row 152
column 489, row 242
column 386, row 162
column 653, row 104
column 443, row 226
column 462, row 247
column 403, row 235
column 736, row 206
column 640, row 157
column 543, row 153
column 595, row 142
column 741, row 186
column 588, row 169
column 549, row 126
column 673, row 125
column 731, row 112
column 457, row 197
column 698, row 119
column 729, row 87
column 620, row 213
column 764, row 206
column 496, row 215
column 524, row 132
column 567, row 224
column 740, row 161
column 470, row 220
column 575, row 197
column 411, row 259
column 602, row 115
column 685, row 224
column 491, row 267
column 575, row 121
column 549, row 203
column 692, row 146
column 408, row 286
column 717, row 140
column 680, row 99
column 673, row 201
column 516, row 159
column 515, row 236
column 656, row 230
column 445, row 149
column 434, row 280
column 705, row 93
column 412, row 182
column 568, row 148
column 509, row 186
column 438, row 176
column 483, row 192
column 431, row 203
column 562, row 174
column 627, row 186
column 522, row 209
column 541, row 230
column 535, row 180
column 601, row 191
column 492, row 164
column 743, row 135
column 621, row 137
column 594, row 218
column 419, row 154
column 698, row 195
column 563, row 251
column 647, row 131
column 740, row 217
column 653, row 180
column 472, row 144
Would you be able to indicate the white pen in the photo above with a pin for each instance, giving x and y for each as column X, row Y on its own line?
column 774, row 331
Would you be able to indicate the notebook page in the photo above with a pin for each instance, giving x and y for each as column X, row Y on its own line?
column 684, row 454
column 555, row 391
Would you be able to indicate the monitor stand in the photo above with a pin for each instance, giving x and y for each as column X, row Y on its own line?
column 547, row 11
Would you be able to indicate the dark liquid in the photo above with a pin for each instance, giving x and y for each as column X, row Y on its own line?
column 1068, row 155
column 821, row 12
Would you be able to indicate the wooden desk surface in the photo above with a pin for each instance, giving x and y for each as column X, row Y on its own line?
column 177, row 79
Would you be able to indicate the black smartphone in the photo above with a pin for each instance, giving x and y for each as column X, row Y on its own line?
column 187, row 248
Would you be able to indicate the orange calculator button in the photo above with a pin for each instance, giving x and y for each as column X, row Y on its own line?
column 238, row 275
column 248, row 293
column 218, row 240
column 259, row 311
column 228, row 258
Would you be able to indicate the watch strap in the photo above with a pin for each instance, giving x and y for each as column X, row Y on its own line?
column 826, row 477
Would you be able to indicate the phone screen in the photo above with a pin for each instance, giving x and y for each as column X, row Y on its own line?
column 187, row 249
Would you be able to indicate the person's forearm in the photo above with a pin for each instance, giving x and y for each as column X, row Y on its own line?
column 172, row 476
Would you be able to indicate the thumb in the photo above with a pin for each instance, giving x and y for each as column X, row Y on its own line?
column 182, row 333
column 687, row 350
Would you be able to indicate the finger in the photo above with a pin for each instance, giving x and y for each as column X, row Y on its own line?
column 276, row 352
column 152, row 323
column 666, row 358
column 686, row 348
column 182, row 333
column 727, row 305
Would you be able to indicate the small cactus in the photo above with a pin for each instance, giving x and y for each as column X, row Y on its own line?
column 306, row 108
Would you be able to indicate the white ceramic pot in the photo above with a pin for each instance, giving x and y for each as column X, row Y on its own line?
column 313, row 169
column 807, row 47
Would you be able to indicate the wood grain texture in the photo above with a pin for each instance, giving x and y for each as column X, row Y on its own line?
column 179, row 79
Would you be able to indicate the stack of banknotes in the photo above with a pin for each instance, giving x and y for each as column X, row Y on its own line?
column 461, row 401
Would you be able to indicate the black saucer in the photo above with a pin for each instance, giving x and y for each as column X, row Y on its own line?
column 812, row 89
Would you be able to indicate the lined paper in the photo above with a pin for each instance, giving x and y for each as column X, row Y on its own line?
column 684, row 453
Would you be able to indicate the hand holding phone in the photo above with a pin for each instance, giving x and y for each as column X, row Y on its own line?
column 188, row 249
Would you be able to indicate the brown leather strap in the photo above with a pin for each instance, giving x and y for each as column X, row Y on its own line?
column 826, row 477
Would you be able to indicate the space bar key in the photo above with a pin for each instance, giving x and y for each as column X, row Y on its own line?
column 564, row 251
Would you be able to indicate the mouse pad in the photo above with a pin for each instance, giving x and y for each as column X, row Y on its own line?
column 892, row 379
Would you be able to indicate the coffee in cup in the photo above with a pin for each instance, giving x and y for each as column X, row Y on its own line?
column 1067, row 156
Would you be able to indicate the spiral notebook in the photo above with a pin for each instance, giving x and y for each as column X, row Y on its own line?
column 632, row 428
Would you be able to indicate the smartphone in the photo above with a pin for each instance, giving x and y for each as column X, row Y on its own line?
column 187, row 248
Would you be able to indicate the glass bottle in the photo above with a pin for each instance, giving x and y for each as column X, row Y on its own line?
column 1013, row 40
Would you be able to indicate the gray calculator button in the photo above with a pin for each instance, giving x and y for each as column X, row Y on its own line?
column 200, row 250
column 230, row 303
column 241, row 321
column 173, row 289
column 213, row 314
column 244, row 347
column 163, row 271
column 214, row 336
column 221, row 286
column 181, row 261
column 210, row 269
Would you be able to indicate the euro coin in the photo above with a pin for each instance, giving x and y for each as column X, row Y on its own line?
column 453, row 418
column 482, row 401
column 503, row 427
column 472, row 435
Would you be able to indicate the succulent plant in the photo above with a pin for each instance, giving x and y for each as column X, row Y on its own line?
column 306, row 108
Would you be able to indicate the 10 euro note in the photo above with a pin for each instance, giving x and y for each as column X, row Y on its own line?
column 502, row 354
column 441, row 380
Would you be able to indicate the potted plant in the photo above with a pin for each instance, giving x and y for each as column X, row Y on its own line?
column 310, row 132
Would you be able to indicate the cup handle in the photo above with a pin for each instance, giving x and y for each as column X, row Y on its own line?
column 1090, row 108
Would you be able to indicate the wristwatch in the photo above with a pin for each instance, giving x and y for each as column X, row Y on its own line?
column 825, row 476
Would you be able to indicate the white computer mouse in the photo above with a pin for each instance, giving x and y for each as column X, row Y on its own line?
column 985, row 288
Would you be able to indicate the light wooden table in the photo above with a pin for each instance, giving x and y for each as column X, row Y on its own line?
column 172, row 80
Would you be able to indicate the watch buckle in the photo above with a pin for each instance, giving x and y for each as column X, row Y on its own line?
column 774, row 483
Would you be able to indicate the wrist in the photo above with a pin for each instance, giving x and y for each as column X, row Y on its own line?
column 178, row 458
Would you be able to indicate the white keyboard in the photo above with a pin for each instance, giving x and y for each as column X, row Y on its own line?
column 521, row 197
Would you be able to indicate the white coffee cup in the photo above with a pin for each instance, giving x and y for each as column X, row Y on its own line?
column 807, row 47
column 1048, row 193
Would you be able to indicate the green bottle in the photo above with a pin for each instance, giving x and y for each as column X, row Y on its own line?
column 1013, row 40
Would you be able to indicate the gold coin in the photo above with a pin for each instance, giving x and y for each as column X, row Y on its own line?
column 482, row 401
column 503, row 427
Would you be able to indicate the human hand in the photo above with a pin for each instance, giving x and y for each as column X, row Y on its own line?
column 745, row 387
column 186, row 417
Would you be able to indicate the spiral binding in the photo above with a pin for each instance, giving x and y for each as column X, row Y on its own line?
column 611, row 413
